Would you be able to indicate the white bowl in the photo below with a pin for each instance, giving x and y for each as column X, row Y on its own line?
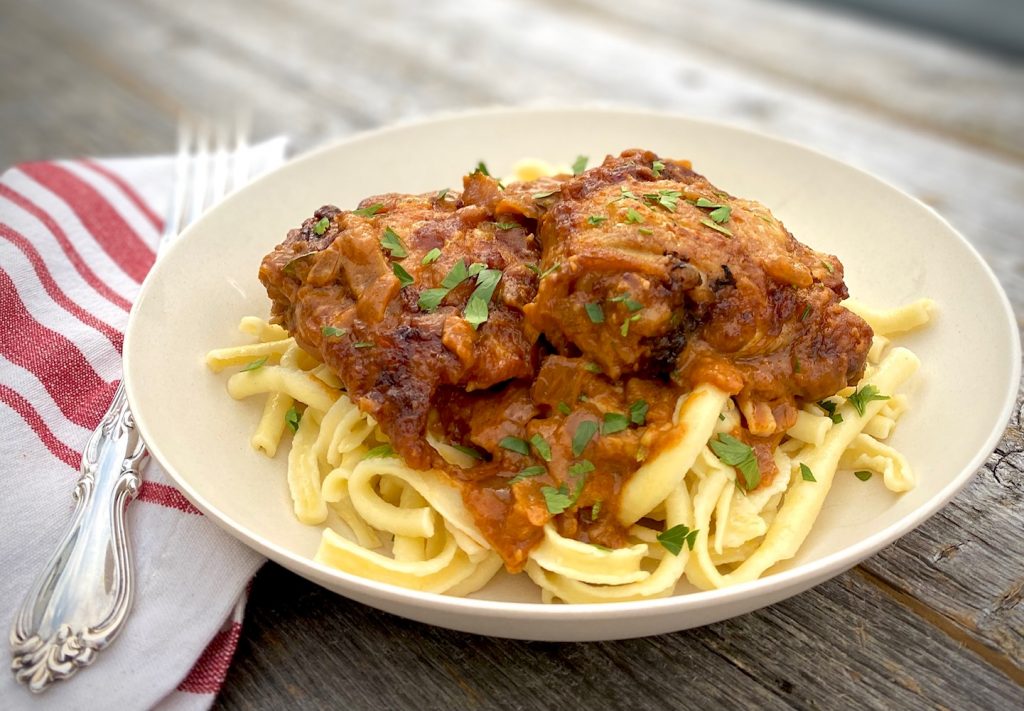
column 895, row 249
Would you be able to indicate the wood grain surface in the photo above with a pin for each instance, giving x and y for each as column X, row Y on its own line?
column 933, row 621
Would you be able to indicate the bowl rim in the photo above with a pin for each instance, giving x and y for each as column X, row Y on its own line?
column 780, row 581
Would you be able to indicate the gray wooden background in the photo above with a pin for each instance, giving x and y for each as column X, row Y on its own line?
column 934, row 621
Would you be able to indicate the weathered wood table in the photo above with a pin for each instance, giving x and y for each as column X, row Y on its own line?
column 935, row 620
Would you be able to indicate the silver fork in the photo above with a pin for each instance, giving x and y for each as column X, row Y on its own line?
column 81, row 600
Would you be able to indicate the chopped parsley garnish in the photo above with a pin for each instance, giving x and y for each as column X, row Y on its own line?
column 584, row 466
column 430, row 299
column 441, row 194
column 475, row 268
column 860, row 398
column 719, row 213
column 657, row 166
column 796, row 364
column 557, row 500
column 717, row 227
column 645, row 230
column 546, row 194
column 591, row 367
column 579, row 165
column 828, row 265
column 595, row 510
column 633, row 217
column 564, row 408
column 624, row 328
column 585, row 432
column 404, row 277
column 674, row 538
column 806, row 473
column 255, row 365
column 830, row 409
column 638, row 412
column 431, row 256
column 863, row 474
column 632, row 305
column 506, row 225
column 456, row 275
column 668, row 199
column 362, row 344
column 595, row 220
column 332, row 332
column 481, row 167
column 469, row 451
column 528, row 472
column 641, row 453
column 738, row 454
column 599, row 547
column 625, row 195
column 393, row 243
column 515, row 444
column 541, row 446
column 381, row 450
column 291, row 418
column 369, row 210
column 321, row 226
column 476, row 308
column 594, row 312
column 806, row 313
column 536, row 270
column 614, row 422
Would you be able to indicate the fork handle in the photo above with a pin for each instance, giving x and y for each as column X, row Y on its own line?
column 80, row 601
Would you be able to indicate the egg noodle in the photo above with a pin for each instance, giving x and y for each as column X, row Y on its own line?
column 688, row 515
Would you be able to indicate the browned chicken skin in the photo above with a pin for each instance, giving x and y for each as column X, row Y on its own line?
column 620, row 287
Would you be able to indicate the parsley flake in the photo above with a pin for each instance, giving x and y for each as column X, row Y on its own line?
column 528, row 472
column 828, row 265
column 255, row 365
column 441, row 194
column 667, row 199
column 481, row 167
column 506, row 225
column 861, row 397
column 332, row 332
column 430, row 299
column 456, row 275
column 469, row 451
column 362, row 344
column 717, row 227
column 584, row 466
column 830, row 409
column 657, row 166
column 541, row 446
column 863, row 475
column 321, row 226
column 633, row 217
column 625, row 195
column 292, row 418
column 806, row 313
column 645, row 230
column 806, row 473
column 370, row 210
column 673, row 539
column 579, row 165
column 638, row 412
column 431, row 256
column 476, row 308
column 596, row 220
column 591, row 367
column 381, row 450
column 557, row 500
column 585, row 432
column 545, row 194
column 404, row 278
column 564, row 408
column 594, row 312
column 515, row 444
column 393, row 243
column 738, row 454
column 614, row 422
column 595, row 510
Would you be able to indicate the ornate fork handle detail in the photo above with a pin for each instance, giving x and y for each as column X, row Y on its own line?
column 81, row 600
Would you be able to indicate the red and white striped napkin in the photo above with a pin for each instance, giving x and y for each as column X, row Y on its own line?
column 77, row 238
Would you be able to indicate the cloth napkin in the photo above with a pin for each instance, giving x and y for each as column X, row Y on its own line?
column 77, row 237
